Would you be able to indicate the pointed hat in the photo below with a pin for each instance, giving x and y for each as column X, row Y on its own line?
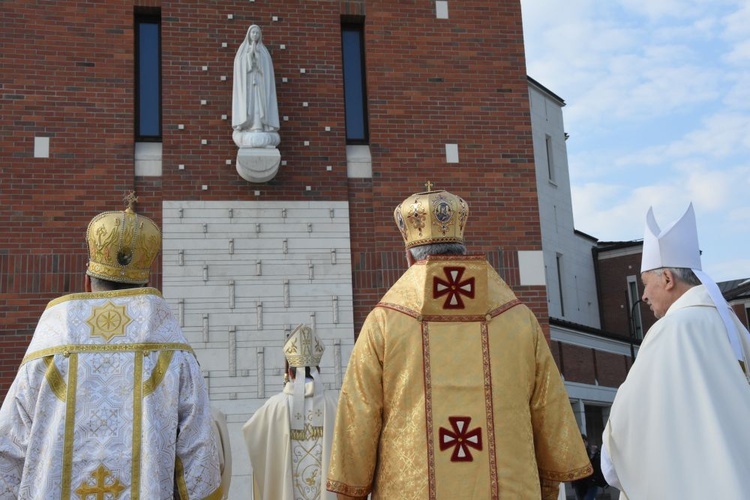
column 674, row 246
column 677, row 246
column 305, row 349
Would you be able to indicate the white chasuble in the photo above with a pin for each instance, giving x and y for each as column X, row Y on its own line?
column 287, row 464
column 109, row 402
column 678, row 427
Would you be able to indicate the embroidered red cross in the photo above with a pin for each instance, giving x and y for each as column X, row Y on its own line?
column 454, row 288
column 460, row 439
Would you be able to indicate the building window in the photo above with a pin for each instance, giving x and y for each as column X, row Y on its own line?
column 634, row 315
column 595, row 422
column 148, row 75
column 550, row 158
column 355, row 92
column 558, row 261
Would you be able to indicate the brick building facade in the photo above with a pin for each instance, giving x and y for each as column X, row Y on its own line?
column 447, row 101
column 69, row 76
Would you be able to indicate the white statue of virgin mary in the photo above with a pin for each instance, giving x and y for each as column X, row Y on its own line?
column 255, row 112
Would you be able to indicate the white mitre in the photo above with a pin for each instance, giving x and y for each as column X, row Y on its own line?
column 304, row 349
column 677, row 246
column 674, row 246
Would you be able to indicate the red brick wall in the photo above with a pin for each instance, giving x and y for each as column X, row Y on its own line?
column 432, row 82
column 613, row 293
column 586, row 365
column 68, row 73
column 741, row 311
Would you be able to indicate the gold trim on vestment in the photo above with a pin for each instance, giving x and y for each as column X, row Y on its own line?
column 216, row 495
column 501, row 309
column 54, row 379
column 157, row 375
column 431, row 486
column 474, row 318
column 564, row 477
column 69, row 349
column 70, row 419
column 489, row 411
column 345, row 489
column 128, row 292
column 488, row 402
column 179, row 478
column 135, row 475
column 309, row 432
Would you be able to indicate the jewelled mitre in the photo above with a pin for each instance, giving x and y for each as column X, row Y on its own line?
column 122, row 245
column 432, row 217
column 674, row 246
column 304, row 348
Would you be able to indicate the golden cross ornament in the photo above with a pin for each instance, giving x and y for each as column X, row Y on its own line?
column 102, row 487
column 131, row 199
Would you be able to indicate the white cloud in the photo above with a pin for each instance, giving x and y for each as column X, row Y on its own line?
column 737, row 21
column 737, row 96
column 658, row 111
column 740, row 54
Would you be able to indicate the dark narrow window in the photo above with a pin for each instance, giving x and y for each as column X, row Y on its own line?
column 560, row 284
column 355, row 93
column 148, row 76
column 550, row 159
column 636, row 325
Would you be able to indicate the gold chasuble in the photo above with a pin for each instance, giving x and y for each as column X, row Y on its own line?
column 451, row 392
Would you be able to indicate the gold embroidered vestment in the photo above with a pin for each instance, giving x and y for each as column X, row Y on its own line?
column 451, row 392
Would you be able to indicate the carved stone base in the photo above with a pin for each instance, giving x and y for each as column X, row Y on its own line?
column 245, row 139
column 258, row 164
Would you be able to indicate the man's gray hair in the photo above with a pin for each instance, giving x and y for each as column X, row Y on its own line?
column 422, row 251
column 101, row 285
column 684, row 274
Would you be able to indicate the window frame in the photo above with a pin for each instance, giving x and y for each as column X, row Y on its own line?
column 147, row 16
column 560, row 288
column 634, row 299
column 549, row 150
column 356, row 26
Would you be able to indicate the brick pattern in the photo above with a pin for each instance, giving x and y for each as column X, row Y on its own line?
column 613, row 293
column 429, row 82
column 590, row 366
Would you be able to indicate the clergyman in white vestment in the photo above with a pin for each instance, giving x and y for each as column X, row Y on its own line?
column 109, row 401
column 678, row 427
column 289, row 437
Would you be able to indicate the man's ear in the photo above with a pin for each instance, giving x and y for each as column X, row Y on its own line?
column 668, row 279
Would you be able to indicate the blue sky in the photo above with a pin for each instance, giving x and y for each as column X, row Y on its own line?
column 658, row 113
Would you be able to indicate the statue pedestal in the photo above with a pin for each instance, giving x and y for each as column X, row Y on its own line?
column 245, row 139
column 258, row 164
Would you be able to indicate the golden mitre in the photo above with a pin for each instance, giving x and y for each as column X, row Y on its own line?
column 304, row 347
column 122, row 245
column 432, row 217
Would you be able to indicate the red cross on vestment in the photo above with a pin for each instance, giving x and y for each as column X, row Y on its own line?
column 453, row 287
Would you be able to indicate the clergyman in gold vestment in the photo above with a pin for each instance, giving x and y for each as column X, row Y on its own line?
column 451, row 391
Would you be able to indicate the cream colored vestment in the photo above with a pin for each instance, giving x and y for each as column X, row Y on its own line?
column 678, row 427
